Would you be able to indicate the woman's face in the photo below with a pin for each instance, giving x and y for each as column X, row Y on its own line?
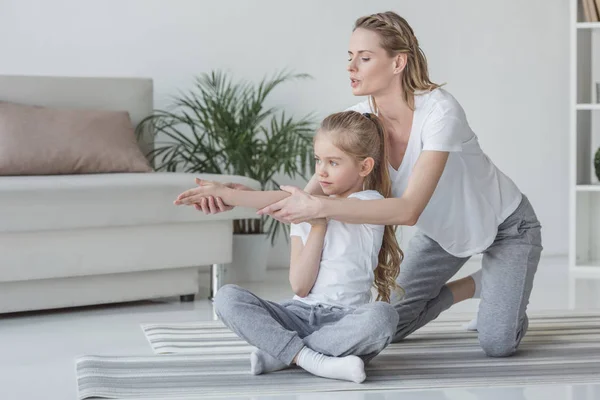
column 372, row 70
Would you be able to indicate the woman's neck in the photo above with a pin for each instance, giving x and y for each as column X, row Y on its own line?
column 392, row 106
column 396, row 115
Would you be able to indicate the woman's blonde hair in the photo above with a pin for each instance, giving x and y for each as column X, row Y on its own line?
column 362, row 136
column 398, row 37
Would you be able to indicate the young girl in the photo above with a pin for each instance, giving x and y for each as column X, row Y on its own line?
column 330, row 327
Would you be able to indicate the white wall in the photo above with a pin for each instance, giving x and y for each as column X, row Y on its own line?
column 505, row 61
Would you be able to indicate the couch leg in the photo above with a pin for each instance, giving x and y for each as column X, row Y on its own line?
column 216, row 279
column 187, row 298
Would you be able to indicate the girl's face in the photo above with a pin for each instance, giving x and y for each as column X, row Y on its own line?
column 372, row 70
column 339, row 173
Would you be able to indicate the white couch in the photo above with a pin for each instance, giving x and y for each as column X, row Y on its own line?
column 74, row 240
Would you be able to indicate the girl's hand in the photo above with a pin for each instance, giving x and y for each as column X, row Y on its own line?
column 299, row 207
column 318, row 222
column 204, row 190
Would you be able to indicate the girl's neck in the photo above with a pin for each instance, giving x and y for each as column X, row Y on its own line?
column 358, row 187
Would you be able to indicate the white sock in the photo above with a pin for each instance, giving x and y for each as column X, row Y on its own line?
column 349, row 368
column 261, row 363
column 472, row 325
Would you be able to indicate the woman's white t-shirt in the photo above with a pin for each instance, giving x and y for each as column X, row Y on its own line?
column 473, row 196
column 350, row 255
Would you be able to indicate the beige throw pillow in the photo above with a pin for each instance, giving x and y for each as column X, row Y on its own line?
column 50, row 141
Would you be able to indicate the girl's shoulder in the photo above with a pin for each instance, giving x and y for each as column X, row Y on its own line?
column 302, row 230
column 367, row 195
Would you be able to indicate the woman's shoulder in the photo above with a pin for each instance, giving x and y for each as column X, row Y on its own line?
column 439, row 101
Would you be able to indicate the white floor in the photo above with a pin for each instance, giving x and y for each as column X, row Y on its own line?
column 37, row 349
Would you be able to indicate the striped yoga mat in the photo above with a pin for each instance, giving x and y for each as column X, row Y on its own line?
column 205, row 358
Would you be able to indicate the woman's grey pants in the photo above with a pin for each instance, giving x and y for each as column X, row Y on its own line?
column 282, row 330
column 508, row 268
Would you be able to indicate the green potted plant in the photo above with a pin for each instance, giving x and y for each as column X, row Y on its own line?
column 224, row 127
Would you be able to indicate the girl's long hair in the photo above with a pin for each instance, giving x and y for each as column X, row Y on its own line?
column 362, row 136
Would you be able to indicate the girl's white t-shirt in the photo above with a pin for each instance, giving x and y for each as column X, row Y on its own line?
column 473, row 196
column 350, row 255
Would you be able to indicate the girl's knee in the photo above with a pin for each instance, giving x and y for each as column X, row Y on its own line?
column 382, row 318
column 226, row 297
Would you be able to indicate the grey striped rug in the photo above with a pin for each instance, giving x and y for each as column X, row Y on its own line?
column 205, row 358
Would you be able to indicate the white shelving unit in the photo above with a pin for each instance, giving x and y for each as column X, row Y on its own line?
column 584, row 187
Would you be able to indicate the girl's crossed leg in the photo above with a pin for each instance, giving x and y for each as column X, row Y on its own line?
column 325, row 341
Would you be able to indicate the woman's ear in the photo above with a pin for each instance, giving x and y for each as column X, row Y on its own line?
column 400, row 62
column 366, row 166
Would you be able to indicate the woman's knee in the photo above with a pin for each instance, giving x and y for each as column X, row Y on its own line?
column 501, row 340
column 498, row 344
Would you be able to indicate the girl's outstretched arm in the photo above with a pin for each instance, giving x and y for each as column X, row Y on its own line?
column 313, row 187
column 245, row 198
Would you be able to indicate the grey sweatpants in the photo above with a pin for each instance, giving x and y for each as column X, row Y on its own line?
column 508, row 268
column 282, row 329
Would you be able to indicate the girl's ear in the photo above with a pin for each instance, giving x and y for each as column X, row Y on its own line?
column 366, row 166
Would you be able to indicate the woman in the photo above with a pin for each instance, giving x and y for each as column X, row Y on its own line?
column 443, row 183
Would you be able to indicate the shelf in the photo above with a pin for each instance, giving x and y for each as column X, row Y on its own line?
column 587, row 106
column 588, row 25
column 594, row 187
column 584, row 199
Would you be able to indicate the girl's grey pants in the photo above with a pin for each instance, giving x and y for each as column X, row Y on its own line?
column 282, row 329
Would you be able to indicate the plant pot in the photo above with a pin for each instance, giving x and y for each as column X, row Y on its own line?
column 249, row 261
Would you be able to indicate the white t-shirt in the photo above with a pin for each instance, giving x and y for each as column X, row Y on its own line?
column 473, row 196
column 350, row 255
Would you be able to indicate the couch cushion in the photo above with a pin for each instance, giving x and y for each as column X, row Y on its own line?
column 29, row 203
column 47, row 141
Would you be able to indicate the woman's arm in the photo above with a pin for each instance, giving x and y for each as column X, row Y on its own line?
column 405, row 210
column 306, row 259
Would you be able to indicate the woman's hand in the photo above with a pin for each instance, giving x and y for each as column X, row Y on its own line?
column 299, row 207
